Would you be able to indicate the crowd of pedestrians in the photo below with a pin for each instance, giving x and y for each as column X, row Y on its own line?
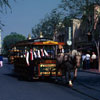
column 89, row 60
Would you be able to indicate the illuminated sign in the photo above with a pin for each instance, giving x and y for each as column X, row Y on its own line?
column 47, row 65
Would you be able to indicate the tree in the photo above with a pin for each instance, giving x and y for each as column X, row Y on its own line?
column 90, row 17
column 48, row 25
column 76, row 8
column 3, row 8
column 11, row 39
column 96, row 36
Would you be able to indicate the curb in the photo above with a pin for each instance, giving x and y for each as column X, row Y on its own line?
column 87, row 71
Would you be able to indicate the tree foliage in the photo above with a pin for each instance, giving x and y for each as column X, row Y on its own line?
column 4, row 4
column 77, row 8
column 11, row 39
column 48, row 25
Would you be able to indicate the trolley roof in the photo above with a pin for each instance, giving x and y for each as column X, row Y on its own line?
column 38, row 41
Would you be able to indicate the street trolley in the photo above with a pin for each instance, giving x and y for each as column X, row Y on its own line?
column 40, row 66
column 12, row 54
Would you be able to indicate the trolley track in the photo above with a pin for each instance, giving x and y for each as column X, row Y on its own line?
column 91, row 93
column 87, row 91
column 89, row 87
column 79, row 91
column 78, row 87
column 82, row 93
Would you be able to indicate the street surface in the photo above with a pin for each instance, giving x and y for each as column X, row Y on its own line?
column 86, row 87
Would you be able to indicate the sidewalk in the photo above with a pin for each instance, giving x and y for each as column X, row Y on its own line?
column 95, row 71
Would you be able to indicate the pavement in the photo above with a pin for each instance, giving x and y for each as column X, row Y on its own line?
column 95, row 71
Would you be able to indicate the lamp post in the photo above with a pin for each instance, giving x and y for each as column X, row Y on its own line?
column 41, row 35
column 69, row 42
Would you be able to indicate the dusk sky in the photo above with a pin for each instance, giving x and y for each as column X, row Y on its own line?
column 25, row 15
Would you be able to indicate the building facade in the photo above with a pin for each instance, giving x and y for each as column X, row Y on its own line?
column 81, row 32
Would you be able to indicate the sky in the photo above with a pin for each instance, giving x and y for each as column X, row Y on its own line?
column 25, row 15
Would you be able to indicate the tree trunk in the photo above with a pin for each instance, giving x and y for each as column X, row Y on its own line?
column 98, row 59
column 99, row 63
column 97, row 46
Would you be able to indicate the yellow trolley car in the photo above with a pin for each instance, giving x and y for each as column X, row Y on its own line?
column 12, row 54
column 40, row 65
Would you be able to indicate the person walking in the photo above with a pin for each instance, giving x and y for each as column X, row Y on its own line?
column 93, row 60
column 87, row 60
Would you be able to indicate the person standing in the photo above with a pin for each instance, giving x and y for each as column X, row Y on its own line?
column 27, row 57
column 44, row 53
column 84, row 60
column 93, row 60
column 87, row 60
column 30, row 63
column 60, row 49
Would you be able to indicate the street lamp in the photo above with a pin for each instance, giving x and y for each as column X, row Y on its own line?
column 69, row 42
column 41, row 35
